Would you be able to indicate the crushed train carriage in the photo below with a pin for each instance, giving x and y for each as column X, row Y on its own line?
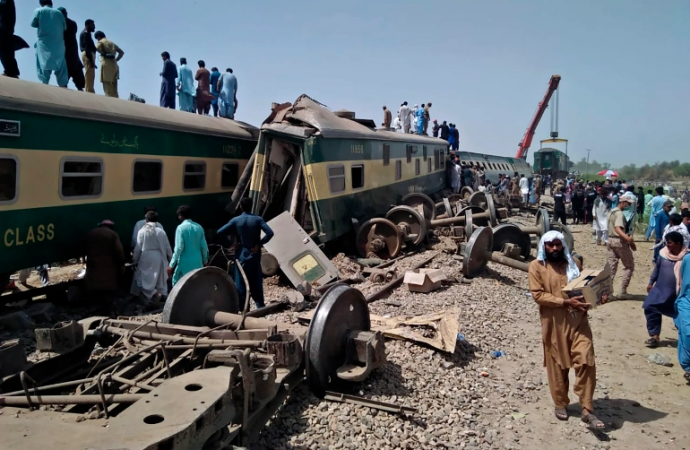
column 330, row 169
column 69, row 159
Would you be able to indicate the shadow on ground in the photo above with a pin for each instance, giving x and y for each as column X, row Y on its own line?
column 619, row 411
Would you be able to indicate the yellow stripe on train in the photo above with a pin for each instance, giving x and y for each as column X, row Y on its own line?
column 40, row 172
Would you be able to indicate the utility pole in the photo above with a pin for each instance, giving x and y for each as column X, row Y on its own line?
column 587, row 169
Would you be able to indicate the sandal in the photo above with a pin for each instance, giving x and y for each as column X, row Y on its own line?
column 687, row 375
column 592, row 421
column 651, row 343
column 561, row 413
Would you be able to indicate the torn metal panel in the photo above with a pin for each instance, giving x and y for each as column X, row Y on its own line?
column 299, row 257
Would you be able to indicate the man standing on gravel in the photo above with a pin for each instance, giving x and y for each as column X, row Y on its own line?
column 566, row 335
column 621, row 245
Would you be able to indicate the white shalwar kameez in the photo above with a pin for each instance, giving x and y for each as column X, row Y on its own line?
column 152, row 255
column 600, row 214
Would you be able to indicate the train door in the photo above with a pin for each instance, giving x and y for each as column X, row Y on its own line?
column 281, row 183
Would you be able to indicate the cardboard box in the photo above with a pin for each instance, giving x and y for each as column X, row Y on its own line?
column 426, row 280
column 592, row 284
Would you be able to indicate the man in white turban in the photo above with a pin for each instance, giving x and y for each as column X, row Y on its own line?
column 566, row 335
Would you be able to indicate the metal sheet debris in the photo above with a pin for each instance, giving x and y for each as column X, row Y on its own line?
column 299, row 257
column 439, row 330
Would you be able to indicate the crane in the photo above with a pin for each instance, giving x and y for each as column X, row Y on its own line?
column 524, row 145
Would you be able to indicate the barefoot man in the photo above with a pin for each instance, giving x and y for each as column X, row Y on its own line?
column 566, row 335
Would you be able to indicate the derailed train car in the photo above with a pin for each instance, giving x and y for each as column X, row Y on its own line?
column 330, row 171
column 70, row 159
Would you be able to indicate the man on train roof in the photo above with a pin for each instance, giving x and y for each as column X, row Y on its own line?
column 74, row 65
column 50, row 46
column 445, row 130
column 8, row 20
column 387, row 118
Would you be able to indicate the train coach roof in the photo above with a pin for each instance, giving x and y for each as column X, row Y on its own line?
column 307, row 117
column 39, row 98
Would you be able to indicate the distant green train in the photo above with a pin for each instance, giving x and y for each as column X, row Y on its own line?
column 70, row 159
column 549, row 161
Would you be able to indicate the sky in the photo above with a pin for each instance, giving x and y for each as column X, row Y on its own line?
column 484, row 64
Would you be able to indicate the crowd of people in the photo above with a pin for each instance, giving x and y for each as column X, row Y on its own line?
column 213, row 90
column 156, row 261
column 614, row 208
column 60, row 53
column 416, row 120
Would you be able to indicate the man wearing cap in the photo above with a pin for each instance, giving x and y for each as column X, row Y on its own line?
column 435, row 129
column 105, row 261
column 661, row 221
column 566, row 334
column 621, row 245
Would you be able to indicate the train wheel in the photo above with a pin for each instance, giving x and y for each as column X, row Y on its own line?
column 410, row 223
column 418, row 199
column 379, row 237
column 466, row 192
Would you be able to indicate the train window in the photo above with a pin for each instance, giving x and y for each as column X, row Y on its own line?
column 437, row 158
column 194, row 176
column 386, row 154
column 357, row 174
column 230, row 175
column 416, row 166
column 336, row 178
column 9, row 168
column 398, row 169
column 424, row 152
column 147, row 177
column 81, row 178
column 441, row 159
column 428, row 164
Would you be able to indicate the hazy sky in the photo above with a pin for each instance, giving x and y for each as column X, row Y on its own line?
column 485, row 64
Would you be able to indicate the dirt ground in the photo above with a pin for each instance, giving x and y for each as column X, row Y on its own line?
column 647, row 405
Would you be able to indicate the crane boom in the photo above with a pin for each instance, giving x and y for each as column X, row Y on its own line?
column 524, row 145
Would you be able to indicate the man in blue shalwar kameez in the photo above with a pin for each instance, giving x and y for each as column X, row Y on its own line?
column 682, row 315
column 215, row 76
column 168, row 85
column 185, row 87
column 247, row 227
column 50, row 47
column 227, row 85
column 420, row 120
column 191, row 250
column 657, row 204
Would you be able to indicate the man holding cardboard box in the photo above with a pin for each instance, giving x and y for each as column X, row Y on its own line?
column 566, row 335
column 620, row 245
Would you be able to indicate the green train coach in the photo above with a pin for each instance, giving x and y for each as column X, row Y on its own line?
column 330, row 170
column 549, row 161
column 70, row 159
